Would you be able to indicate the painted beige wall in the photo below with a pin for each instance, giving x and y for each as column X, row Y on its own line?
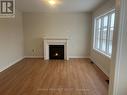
column 102, row 61
column 11, row 40
column 75, row 26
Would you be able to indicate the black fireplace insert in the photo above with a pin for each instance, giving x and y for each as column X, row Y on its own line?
column 56, row 52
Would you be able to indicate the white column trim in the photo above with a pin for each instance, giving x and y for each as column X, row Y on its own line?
column 121, row 35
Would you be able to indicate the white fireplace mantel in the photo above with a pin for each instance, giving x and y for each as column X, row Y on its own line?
column 55, row 41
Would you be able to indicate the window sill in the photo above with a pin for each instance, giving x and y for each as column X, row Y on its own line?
column 101, row 53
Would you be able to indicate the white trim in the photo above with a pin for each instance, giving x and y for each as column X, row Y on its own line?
column 55, row 41
column 79, row 56
column 12, row 63
column 106, row 13
column 98, row 64
column 33, row 57
column 103, row 54
column 69, row 57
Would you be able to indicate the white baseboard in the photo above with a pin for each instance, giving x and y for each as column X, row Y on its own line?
column 33, row 57
column 79, row 57
column 98, row 64
column 69, row 57
column 12, row 63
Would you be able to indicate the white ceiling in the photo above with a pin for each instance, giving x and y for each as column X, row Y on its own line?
column 65, row 6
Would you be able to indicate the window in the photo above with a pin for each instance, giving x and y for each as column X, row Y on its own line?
column 103, row 35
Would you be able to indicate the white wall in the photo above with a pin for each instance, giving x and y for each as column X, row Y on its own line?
column 11, row 41
column 121, row 71
column 99, row 59
column 75, row 26
column 118, row 84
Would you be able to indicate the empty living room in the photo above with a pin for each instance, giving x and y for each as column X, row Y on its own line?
column 63, row 47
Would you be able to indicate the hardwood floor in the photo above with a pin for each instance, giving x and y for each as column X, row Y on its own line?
column 39, row 77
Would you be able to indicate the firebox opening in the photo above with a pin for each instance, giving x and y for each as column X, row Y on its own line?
column 56, row 52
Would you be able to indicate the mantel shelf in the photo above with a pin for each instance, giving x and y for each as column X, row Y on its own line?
column 56, row 38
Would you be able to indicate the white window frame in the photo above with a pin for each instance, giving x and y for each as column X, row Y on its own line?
column 94, row 37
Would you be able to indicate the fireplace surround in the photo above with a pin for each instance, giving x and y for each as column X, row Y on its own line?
column 48, row 42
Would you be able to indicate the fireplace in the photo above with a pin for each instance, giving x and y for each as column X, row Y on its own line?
column 56, row 52
column 56, row 48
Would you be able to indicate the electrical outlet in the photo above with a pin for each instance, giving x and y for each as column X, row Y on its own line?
column 32, row 50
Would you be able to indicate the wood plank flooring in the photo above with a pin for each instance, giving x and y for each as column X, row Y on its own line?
column 56, row 77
